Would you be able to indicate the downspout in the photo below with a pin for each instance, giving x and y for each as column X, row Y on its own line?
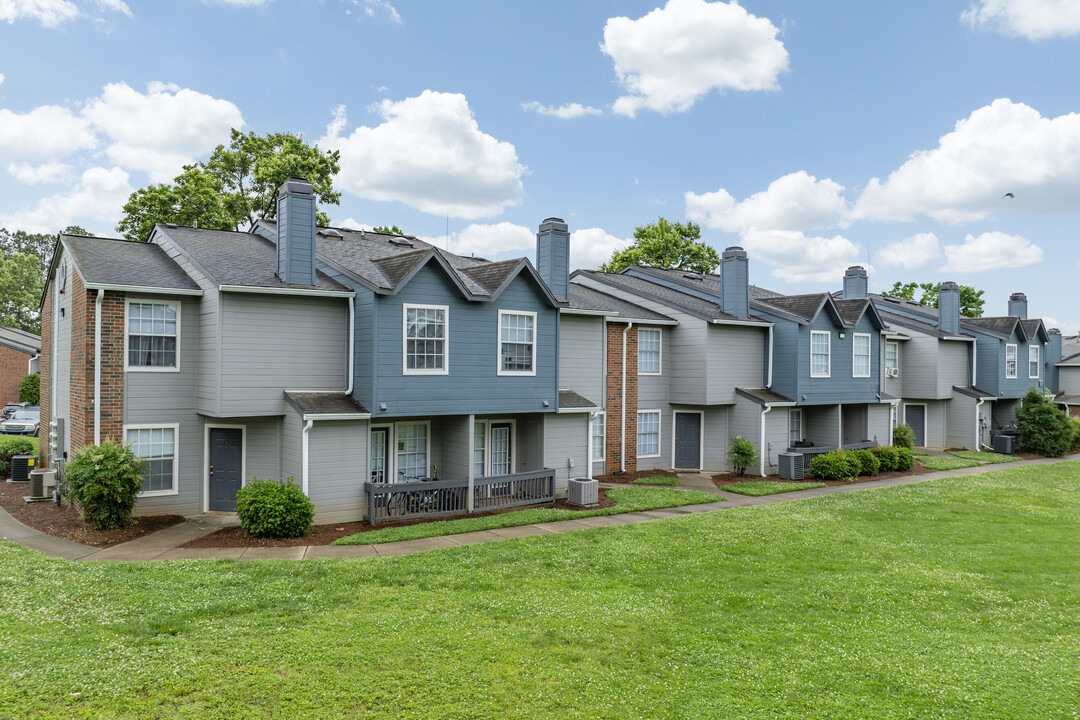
column 304, row 457
column 769, row 384
column 352, row 347
column 761, row 444
column 470, row 498
column 54, row 352
column 974, row 363
column 622, row 441
column 839, row 427
column 978, row 435
column 588, row 460
column 97, row 366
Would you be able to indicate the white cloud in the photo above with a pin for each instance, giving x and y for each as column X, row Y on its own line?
column 489, row 241
column 51, row 172
column 1032, row 19
column 162, row 130
column 1066, row 327
column 429, row 154
column 910, row 253
column 1004, row 147
column 797, row 257
column 592, row 247
column 50, row 13
column 565, row 112
column 669, row 58
column 375, row 7
column 238, row 3
column 44, row 133
column 1, row 78
column 100, row 195
column 991, row 251
column 798, row 201
column 113, row 6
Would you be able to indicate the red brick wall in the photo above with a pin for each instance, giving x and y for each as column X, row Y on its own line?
column 13, row 367
column 83, row 315
column 613, row 444
column 46, row 376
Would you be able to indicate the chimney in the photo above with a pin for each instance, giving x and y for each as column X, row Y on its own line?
column 735, row 282
column 1018, row 305
column 855, row 282
column 553, row 256
column 948, row 303
column 1053, row 357
column 296, row 232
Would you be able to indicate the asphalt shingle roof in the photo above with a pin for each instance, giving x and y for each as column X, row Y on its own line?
column 852, row 309
column 925, row 327
column 1002, row 326
column 325, row 403
column 972, row 391
column 763, row 396
column 1070, row 360
column 586, row 298
column 570, row 400
column 677, row 299
column 805, row 307
column 105, row 261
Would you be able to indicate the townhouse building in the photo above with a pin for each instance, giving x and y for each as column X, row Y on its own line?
column 20, row 355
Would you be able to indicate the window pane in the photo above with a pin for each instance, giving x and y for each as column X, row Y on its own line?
column 648, row 433
column 597, row 432
column 861, row 358
column 516, row 338
column 425, row 344
column 479, row 446
column 648, row 351
column 157, row 447
column 151, row 335
column 412, row 451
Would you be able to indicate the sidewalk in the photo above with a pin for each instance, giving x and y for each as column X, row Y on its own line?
column 165, row 544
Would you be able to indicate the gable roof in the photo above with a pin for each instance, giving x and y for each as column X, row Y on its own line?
column 1002, row 327
column 571, row 401
column 20, row 340
column 926, row 328
column 113, row 263
column 587, row 298
column 1035, row 326
column 1070, row 361
column 690, row 304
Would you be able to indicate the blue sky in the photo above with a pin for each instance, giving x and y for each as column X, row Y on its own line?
column 816, row 135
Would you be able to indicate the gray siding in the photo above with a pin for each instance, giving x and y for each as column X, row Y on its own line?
column 581, row 355
column 920, row 369
column 952, row 366
column 878, row 423
column 278, row 342
column 337, row 469
column 364, row 344
column 936, row 421
column 664, row 460
column 960, row 425
column 821, row 425
column 734, row 360
column 296, row 239
column 262, row 447
column 455, row 447
column 1003, row 413
column 1069, row 380
column 530, row 443
column 566, row 438
column 840, row 386
column 63, row 360
column 292, row 432
column 746, row 422
column 895, row 385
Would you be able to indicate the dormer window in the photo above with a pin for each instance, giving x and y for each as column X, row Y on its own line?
column 1033, row 361
column 1010, row 361
column 860, row 355
column 820, row 361
column 426, row 336
column 517, row 343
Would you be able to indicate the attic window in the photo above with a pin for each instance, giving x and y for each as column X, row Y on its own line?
column 400, row 241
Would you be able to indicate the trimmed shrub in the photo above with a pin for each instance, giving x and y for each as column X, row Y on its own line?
column 886, row 455
column 1075, row 424
column 104, row 481
column 903, row 436
column 905, row 459
column 10, row 446
column 30, row 389
column 741, row 454
column 273, row 508
column 836, row 465
column 1044, row 428
column 868, row 462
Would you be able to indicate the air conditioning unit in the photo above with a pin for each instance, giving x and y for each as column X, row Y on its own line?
column 791, row 466
column 1005, row 444
column 892, row 372
column 583, row 491
column 21, row 465
column 41, row 484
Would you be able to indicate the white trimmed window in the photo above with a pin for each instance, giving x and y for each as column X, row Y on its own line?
column 892, row 359
column 480, row 448
column 517, row 343
column 596, row 431
column 426, row 337
column 412, row 451
column 648, row 433
column 1033, row 361
column 1010, row 361
column 153, row 334
column 860, row 355
column 648, row 345
column 157, row 448
column 819, row 353
column 794, row 426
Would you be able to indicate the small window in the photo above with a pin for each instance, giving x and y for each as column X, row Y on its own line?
column 479, row 448
column 860, row 355
column 596, row 430
column 1010, row 361
column 648, row 433
column 819, row 354
column 892, row 359
column 412, row 451
column 1033, row 361
column 794, row 426
column 152, row 332
column 648, row 351
column 157, row 447
column 425, row 340
column 517, row 343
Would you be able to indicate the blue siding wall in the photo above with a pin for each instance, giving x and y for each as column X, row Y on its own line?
column 785, row 356
column 472, row 385
column 990, row 363
column 840, row 386
column 991, row 370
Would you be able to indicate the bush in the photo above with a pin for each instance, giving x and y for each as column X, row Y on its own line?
column 903, row 436
column 836, row 465
column 905, row 459
column 741, row 454
column 1044, row 428
column 886, row 456
column 1075, row 424
column 10, row 446
column 104, row 481
column 30, row 389
column 868, row 462
column 272, row 508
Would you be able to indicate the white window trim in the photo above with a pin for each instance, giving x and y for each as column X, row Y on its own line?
column 206, row 457
column 498, row 345
column 895, row 345
column 127, row 334
column 1038, row 361
column 391, row 451
column 394, row 451
column 405, row 370
column 602, row 417
column 828, row 353
column 1016, row 362
column 869, row 355
column 659, row 350
column 701, row 435
column 488, row 422
column 799, row 412
column 175, row 427
column 659, row 431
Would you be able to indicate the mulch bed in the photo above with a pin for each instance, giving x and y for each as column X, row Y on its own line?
column 64, row 522
column 632, row 475
column 234, row 537
column 722, row 479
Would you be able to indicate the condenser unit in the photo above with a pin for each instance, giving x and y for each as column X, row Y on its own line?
column 21, row 465
column 582, row 491
column 791, row 466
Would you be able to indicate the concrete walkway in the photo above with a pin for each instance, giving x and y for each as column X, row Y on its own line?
column 165, row 544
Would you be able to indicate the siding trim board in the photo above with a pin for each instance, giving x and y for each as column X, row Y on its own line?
column 206, row 458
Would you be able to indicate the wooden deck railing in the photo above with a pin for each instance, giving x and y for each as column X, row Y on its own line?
column 400, row 501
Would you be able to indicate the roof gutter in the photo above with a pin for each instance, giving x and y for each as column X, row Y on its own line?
column 147, row 289
column 315, row 417
column 747, row 323
column 284, row 291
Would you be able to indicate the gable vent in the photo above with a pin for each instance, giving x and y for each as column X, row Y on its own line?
column 401, row 242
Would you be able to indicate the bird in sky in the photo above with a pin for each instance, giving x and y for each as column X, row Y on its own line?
column 1010, row 195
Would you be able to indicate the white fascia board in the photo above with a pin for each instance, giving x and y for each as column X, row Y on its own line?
column 144, row 289
column 285, row 291
column 567, row 411
column 336, row 416
column 749, row 323
column 576, row 311
column 958, row 338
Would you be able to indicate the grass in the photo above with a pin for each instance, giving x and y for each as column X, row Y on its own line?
column 757, row 488
column 919, row 453
column 989, row 457
column 953, row 598
column 656, row 480
column 940, row 463
column 626, row 500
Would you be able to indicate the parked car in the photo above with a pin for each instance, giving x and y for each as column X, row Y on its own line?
column 24, row 421
column 10, row 408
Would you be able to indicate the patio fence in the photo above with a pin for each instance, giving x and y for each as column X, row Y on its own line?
column 401, row 501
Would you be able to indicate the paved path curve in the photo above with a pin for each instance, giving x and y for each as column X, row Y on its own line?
column 165, row 544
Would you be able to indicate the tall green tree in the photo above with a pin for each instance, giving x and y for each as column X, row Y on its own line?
column 666, row 244
column 235, row 187
column 21, row 281
column 971, row 300
column 388, row 230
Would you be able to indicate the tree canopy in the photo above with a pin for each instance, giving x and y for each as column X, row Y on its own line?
column 388, row 230
column 971, row 300
column 235, row 187
column 24, row 256
column 666, row 244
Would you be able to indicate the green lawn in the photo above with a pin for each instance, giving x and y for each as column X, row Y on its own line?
column 656, row 480
column 919, row 453
column 757, row 488
column 628, row 499
column 954, row 598
column 940, row 463
column 988, row 457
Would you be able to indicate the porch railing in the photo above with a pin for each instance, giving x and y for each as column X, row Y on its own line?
column 401, row 501
column 811, row 452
